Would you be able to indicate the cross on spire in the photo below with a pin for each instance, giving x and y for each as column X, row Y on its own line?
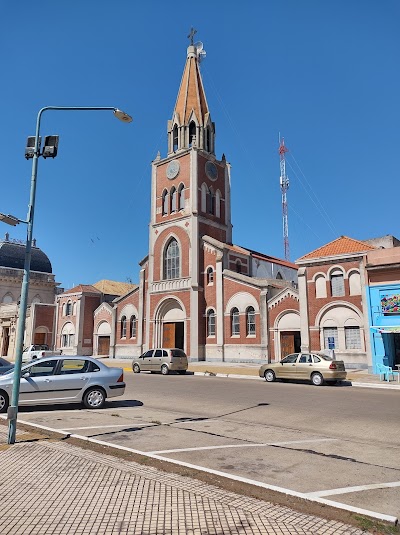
column 191, row 35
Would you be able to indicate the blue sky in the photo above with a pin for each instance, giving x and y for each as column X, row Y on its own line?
column 322, row 73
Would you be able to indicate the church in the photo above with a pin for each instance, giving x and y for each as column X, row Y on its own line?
column 197, row 290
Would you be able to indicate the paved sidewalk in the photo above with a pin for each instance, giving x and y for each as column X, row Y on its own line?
column 52, row 487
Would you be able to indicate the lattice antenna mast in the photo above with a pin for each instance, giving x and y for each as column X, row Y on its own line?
column 284, row 183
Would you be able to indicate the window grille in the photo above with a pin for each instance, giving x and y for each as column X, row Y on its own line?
column 235, row 325
column 353, row 338
column 211, row 323
column 172, row 260
column 331, row 332
column 251, row 321
column 337, row 285
column 123, row 327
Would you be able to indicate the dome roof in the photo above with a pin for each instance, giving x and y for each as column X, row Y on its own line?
column 12, row 255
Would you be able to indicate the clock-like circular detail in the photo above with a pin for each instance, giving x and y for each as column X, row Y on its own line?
column 173, row 169
column 211, row 170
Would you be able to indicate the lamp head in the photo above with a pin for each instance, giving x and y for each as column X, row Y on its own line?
column 122, row 116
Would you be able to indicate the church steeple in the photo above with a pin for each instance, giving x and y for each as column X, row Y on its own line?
column 191, row 124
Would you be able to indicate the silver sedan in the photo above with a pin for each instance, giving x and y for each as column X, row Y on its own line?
column 64, row 380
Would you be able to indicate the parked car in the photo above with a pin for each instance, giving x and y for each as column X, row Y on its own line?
column 64, row 380
column 314, row 367
column 162, row 360
column 37, row 351
column 5, row 365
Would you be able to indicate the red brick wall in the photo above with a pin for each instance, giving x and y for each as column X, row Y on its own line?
column 91, row 303
column 162, row 183
column 131, row 299
column 44, row 317
column 287, row 303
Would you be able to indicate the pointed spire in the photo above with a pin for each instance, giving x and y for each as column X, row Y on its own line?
column 191, row 124
column 191, row 96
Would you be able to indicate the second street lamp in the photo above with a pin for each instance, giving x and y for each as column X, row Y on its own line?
column 11, row 220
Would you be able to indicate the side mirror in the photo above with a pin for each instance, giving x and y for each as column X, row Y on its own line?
column 25, row 375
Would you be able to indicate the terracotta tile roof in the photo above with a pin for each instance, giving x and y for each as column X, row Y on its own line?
column 340, row 246
column 82, row 288
column 113, row 287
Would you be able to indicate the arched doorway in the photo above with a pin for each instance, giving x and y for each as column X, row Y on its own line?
column 103, row 338
column 170, row 320
column 287, row 334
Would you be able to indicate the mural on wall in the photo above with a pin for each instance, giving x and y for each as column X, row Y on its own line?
column 390, row 304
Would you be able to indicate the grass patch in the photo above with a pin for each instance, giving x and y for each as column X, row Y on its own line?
column 373, row 526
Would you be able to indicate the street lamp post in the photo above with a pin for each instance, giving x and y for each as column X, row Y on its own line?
column 13, row 408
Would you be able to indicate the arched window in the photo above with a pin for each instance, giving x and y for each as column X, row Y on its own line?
column 68, row 308
column 68, row 335
column 207, row 139
column 250, row 321
column 218, row 203
column 175, row 138
column 210, row 275
column 211, row 323
column 132, row 327
column 211, row 201
column 320, row 286
column 279, row 276
column 192, row 133
column 181, row 197
column 337, row 283
column 8, row 298
column 235, row 326
column 238, row 266
column 172, row 260
column 204, row 197
column 165, row 202
column 173, row 199
column 123, row 327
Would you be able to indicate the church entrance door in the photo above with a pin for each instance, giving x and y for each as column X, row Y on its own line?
column 290, row 343
column 6, row 341
column 173, row 334
column 103, row 345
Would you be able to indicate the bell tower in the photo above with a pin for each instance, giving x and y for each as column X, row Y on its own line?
column 190, row 198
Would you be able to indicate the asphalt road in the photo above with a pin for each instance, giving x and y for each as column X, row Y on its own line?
column 338, row 443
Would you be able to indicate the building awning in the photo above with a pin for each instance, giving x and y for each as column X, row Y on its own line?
column 386, row 328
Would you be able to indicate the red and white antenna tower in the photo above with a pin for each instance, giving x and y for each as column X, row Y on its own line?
column 284, row 183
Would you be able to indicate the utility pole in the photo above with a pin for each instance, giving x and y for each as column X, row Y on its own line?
column 284, row 183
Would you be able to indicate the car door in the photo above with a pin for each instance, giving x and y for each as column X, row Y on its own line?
column 36, row 383
column 157, row 360
column 147, row 363
column 304, row 366
column 287, row 368
column 70, row 379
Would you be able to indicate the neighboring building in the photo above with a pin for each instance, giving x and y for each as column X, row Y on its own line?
column 343, row 288
column 42, row 291
column 333, row 300
column 197, row 290
column 383, row 295
column 78, row 326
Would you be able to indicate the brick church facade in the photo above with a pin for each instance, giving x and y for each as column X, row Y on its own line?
column 197, row 290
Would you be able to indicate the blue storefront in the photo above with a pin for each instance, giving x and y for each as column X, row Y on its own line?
column 384, row 320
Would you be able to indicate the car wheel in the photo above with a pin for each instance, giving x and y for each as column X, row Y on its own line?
column 94, row 398
column 164, row 369
column 269, row 376
column 136, row 368
column 181, row 372
column 3, row 402
column 317, row 379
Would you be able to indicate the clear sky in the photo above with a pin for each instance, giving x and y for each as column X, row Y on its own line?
column 325, row 74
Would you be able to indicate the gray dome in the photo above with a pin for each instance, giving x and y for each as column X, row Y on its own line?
column 12, row 255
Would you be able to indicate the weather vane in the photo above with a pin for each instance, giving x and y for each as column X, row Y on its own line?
column 191, row 35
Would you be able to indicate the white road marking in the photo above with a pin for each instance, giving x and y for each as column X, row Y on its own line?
column 346, row 490
column 288, row 492
column 286, row 443
column 128, row 424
